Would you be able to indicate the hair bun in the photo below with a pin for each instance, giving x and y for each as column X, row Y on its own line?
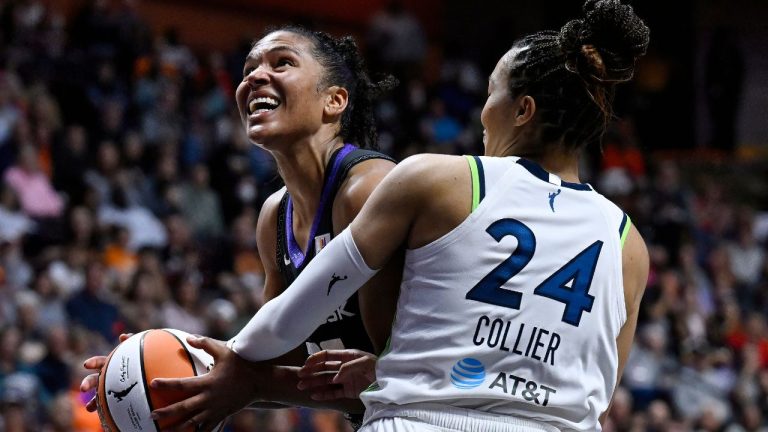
column 572, row 36
column 617, row 34
column 589, row 6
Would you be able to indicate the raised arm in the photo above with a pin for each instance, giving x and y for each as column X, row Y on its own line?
column 341, row 268
column 234, row 382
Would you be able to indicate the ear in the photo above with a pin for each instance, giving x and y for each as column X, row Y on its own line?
column 336, row 102
column 525, row 110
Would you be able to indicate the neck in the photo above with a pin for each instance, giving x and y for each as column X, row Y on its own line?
column 565, row 166
column 302, row 169
column 551, row 157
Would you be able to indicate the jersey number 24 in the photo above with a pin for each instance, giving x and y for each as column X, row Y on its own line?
column 579, row 271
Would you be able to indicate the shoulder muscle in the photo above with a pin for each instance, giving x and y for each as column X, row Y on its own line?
column 424, row 197
column 266, row 241
column 635, row 263
column 357, row 187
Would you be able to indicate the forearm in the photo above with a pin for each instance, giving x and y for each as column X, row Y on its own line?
column 287, row 320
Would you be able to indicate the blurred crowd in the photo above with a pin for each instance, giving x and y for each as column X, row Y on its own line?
column 129, row 196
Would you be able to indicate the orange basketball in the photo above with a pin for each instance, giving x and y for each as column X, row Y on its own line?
column 125, row 400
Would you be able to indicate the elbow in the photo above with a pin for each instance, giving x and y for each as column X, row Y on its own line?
column 285, row 331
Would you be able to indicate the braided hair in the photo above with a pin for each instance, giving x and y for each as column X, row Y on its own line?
column 344, row 67
column 571, row 74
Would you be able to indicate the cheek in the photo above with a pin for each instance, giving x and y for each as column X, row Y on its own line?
column 489, row 112
column 484, row 116
column 310, row 100
column 241, row 94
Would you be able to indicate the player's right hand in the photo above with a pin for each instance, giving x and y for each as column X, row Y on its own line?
column 91, row 382
column 337, row 374
column 231, row 385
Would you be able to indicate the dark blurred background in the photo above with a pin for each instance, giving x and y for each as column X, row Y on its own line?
column 129, row 194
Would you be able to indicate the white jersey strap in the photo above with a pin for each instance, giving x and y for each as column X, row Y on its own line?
column 478, row 180
column 547, row 176
column 626, row 224
column 485, row 173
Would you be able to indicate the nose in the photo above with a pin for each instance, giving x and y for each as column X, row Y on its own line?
column 257, row 77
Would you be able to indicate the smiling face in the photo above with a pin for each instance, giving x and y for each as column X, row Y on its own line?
column 279, row 99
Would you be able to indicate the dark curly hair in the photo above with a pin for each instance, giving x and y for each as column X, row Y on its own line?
column 571, row 74
column 345, row 67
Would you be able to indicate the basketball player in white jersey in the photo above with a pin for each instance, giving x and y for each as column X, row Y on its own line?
column 521, row 285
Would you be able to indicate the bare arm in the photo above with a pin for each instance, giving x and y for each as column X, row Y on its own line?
column 274, row 382
column 405, row 198
column 277, row 379
column 378, row 297
column 274, row 285
column 234, row 382
column 635, row 270
column 425, row 197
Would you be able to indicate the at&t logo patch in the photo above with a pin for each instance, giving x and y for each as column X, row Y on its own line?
column 467, row 373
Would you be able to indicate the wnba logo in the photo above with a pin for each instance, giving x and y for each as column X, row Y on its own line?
column 467, row 373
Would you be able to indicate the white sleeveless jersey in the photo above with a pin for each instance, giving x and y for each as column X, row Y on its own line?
column 515, row 311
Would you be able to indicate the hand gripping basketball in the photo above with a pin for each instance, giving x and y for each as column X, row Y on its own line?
column 91, row 382
column 229, row 387
column 125, row 399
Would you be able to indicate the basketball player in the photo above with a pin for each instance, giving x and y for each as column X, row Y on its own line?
column 521, row 285
column 304, row 96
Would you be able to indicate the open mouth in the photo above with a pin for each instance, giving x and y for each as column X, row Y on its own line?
column 262, row 104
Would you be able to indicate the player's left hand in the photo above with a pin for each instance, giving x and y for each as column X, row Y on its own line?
column 337, row 374
column 230, row 386
column 91, row 382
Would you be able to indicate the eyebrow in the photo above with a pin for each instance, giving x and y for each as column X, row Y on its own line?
column 277, row 48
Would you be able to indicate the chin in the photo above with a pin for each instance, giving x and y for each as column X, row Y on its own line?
column 257, row 144
column 258, row 139
column 268, row 142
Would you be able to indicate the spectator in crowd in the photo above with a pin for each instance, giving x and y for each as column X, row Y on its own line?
column 53, row 370
column 397, row 40
column 90, row 307
column 36, row 194
column 14, row 224
column 51, row 312
column 199, row 204
column 144, row 299
column 10, row 113
column 183, row 312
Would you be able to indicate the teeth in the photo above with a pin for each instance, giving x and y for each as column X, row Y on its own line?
column 271, row 102
column 267, row 100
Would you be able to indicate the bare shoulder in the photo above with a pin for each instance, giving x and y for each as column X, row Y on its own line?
column 269, row 210
column 433, row 165
column 357, row 187
column 438, row 188
column 417, row 180
column 421, row 199
column 430, row 172
column 635, row 264
column 266, row 230
column 266, row 242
